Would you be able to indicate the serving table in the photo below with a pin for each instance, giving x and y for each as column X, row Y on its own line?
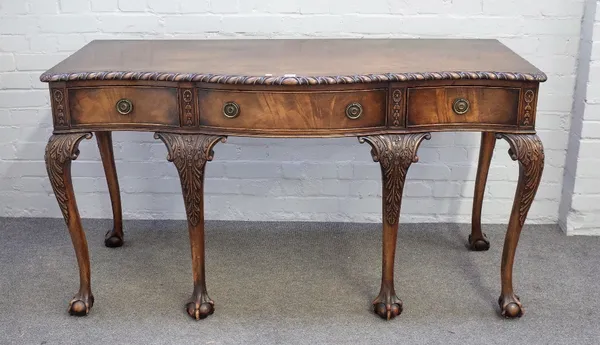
column 390, row 93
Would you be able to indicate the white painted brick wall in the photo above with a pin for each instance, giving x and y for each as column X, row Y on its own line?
column 580, row 206
column 280, row 179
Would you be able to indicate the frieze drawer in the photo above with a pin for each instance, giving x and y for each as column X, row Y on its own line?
column 453, row 105
column 292, row 110
column 124, row 106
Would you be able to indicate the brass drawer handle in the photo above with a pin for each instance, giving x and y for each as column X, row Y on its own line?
column 461, row 106
column 231, row 110
column 124, row 106
column 354, row 111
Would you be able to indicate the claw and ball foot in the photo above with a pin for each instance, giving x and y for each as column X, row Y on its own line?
column 81, row 304
column 200, row 307
column 510, row 306
column 113, row 239
column 387, row 305
column 479, row 244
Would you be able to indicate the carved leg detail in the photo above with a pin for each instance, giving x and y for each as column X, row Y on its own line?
column 114, row 237
column 529, row 151
column 189, row 153
column 60, row 151
column 477, row 240
column 395, row 153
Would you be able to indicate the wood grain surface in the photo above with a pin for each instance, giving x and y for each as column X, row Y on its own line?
column 297, row 110
column 434, row 106
column 156, row 106
column 297, row 61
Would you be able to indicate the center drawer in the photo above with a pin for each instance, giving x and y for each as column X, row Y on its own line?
column 292, row 110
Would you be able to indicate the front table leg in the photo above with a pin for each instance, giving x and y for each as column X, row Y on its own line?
column 189, row 153
column 60, row 151
column 529, row 151
column 395, row 154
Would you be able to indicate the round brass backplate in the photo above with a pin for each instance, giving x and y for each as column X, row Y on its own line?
column 354, row 111
column 231, row 109
column 461, row 106
column 124, row 106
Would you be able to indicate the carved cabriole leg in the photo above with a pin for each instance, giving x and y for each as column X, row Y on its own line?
column 60, row 151
column 114, row 237
column 477, row 240
column 395, row 153
column 189, row 153
column 529, row 151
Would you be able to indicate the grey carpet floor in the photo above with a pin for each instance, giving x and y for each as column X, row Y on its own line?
column 295, row 283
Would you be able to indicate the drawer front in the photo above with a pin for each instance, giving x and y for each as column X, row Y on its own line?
column 124, row 105
column 462, row 105
column 272, row 110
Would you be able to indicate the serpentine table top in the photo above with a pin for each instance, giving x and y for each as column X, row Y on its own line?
column 391, row 93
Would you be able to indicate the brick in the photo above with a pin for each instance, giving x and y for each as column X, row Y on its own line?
column 160, row 6
column 314, row 7
column 252, row 24
column 17, row 25
column 66, row 23
column 591, row 130
column 13, row 7
column 224, row 6
column 132, row 5
column 365, row 188
column 42, row 7
column 9, row 99
column 129, row 23
column 74, row 6
column 589, row 148
column 193, row 23
column 9, row 44
column 46, row 43
column 252, row 169
column 104, row 5
column 447, row 189
column 418, row 189
column 7, row 62
column 15, row 80
column 351, row 7
column 195, row 6
column 585, row 203
column 39, row 62
column 70, row 43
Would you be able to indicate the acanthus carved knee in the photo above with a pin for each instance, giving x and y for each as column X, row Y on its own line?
column 189, row 153
column 60, row 151
column 395, row 153
column 529, row 151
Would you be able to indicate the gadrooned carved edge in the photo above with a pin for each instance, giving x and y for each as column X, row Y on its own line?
column 295, row 80
column 60, row 150
column 189, row 153
column 395, row 153
column 529, row 151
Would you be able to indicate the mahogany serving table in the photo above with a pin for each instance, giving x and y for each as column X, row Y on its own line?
column 389, row 93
